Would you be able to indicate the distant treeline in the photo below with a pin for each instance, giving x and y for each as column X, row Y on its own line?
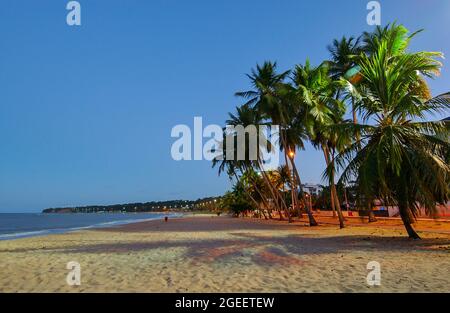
column 154, row 206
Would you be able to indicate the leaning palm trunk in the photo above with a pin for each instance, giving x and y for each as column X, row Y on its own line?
column 407, row 221
column 265, row 202
column 355, row 121
column 312, row 221
column 261, row 195
column 338, row 206
column 267, row 182
column 372, row 217
column 334, row 191
column 256, row 203
column 274, row 193
column 327, row 161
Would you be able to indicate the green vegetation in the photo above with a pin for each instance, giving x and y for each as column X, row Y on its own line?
column 387, row 152
column 204, row 204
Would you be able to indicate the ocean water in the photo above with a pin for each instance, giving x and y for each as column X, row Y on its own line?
column 20, row 225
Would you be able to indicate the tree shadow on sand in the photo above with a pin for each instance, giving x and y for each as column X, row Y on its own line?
column 201, row 224
column 262, row 250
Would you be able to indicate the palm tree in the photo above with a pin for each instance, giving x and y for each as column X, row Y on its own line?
column 258, row 188
column 275, row 100
column 344, row 54
column 247, row 116
column 402, row 161
column 265, row 99
column 232, row 167
column 295, row 133
column 236, row 200
column 316, row 91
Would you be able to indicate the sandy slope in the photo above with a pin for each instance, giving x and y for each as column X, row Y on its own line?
column 212, row 254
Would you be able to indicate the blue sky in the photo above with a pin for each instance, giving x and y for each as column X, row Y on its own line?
column 86, row 112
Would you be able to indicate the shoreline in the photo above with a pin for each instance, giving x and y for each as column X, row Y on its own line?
column 224, row 254
column 20, row 234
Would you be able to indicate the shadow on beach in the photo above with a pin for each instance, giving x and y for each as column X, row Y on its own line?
column 284, row 248
column 200, row 224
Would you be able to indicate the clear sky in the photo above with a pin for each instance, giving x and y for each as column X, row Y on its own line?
column 86, row 112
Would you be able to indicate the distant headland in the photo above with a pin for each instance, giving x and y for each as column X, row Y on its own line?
column 208, row 203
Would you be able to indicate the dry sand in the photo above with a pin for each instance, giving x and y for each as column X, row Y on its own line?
column 221, row 254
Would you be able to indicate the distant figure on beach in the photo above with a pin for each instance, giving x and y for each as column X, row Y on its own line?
column 166, row 218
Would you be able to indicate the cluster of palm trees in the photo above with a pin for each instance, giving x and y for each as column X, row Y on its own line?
column 387, row 151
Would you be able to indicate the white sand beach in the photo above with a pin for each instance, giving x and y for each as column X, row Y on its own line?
column 223, row 254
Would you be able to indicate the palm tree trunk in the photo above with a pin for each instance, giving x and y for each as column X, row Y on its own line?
column 292, row 186
column 406, row 218
column 333, row 206
column 411, row 232
column 334, row 191
column 355, row 120
column 283, row 194
column 283, row 141
column 327, row 161
column 372, row 218
column 312, row 220
column 297, row 183
column 338, row 206
column 261, row 194
column 263, row 197
column 274, row 193
column 256, row 203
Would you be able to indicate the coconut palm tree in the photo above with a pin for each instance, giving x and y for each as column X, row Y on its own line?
column 258, row 189
column 344, row 54
column 316, row 91
column 275, row 100
column 265, row 98
column 402, row 161
column 236, row 200
column 233, row 168
column 248, row 116
column 295, row 134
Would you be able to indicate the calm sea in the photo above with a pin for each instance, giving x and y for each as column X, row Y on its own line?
column 20, row 225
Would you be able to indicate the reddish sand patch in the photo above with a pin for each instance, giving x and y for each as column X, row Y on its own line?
column 271, row 258
column 211, row 254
